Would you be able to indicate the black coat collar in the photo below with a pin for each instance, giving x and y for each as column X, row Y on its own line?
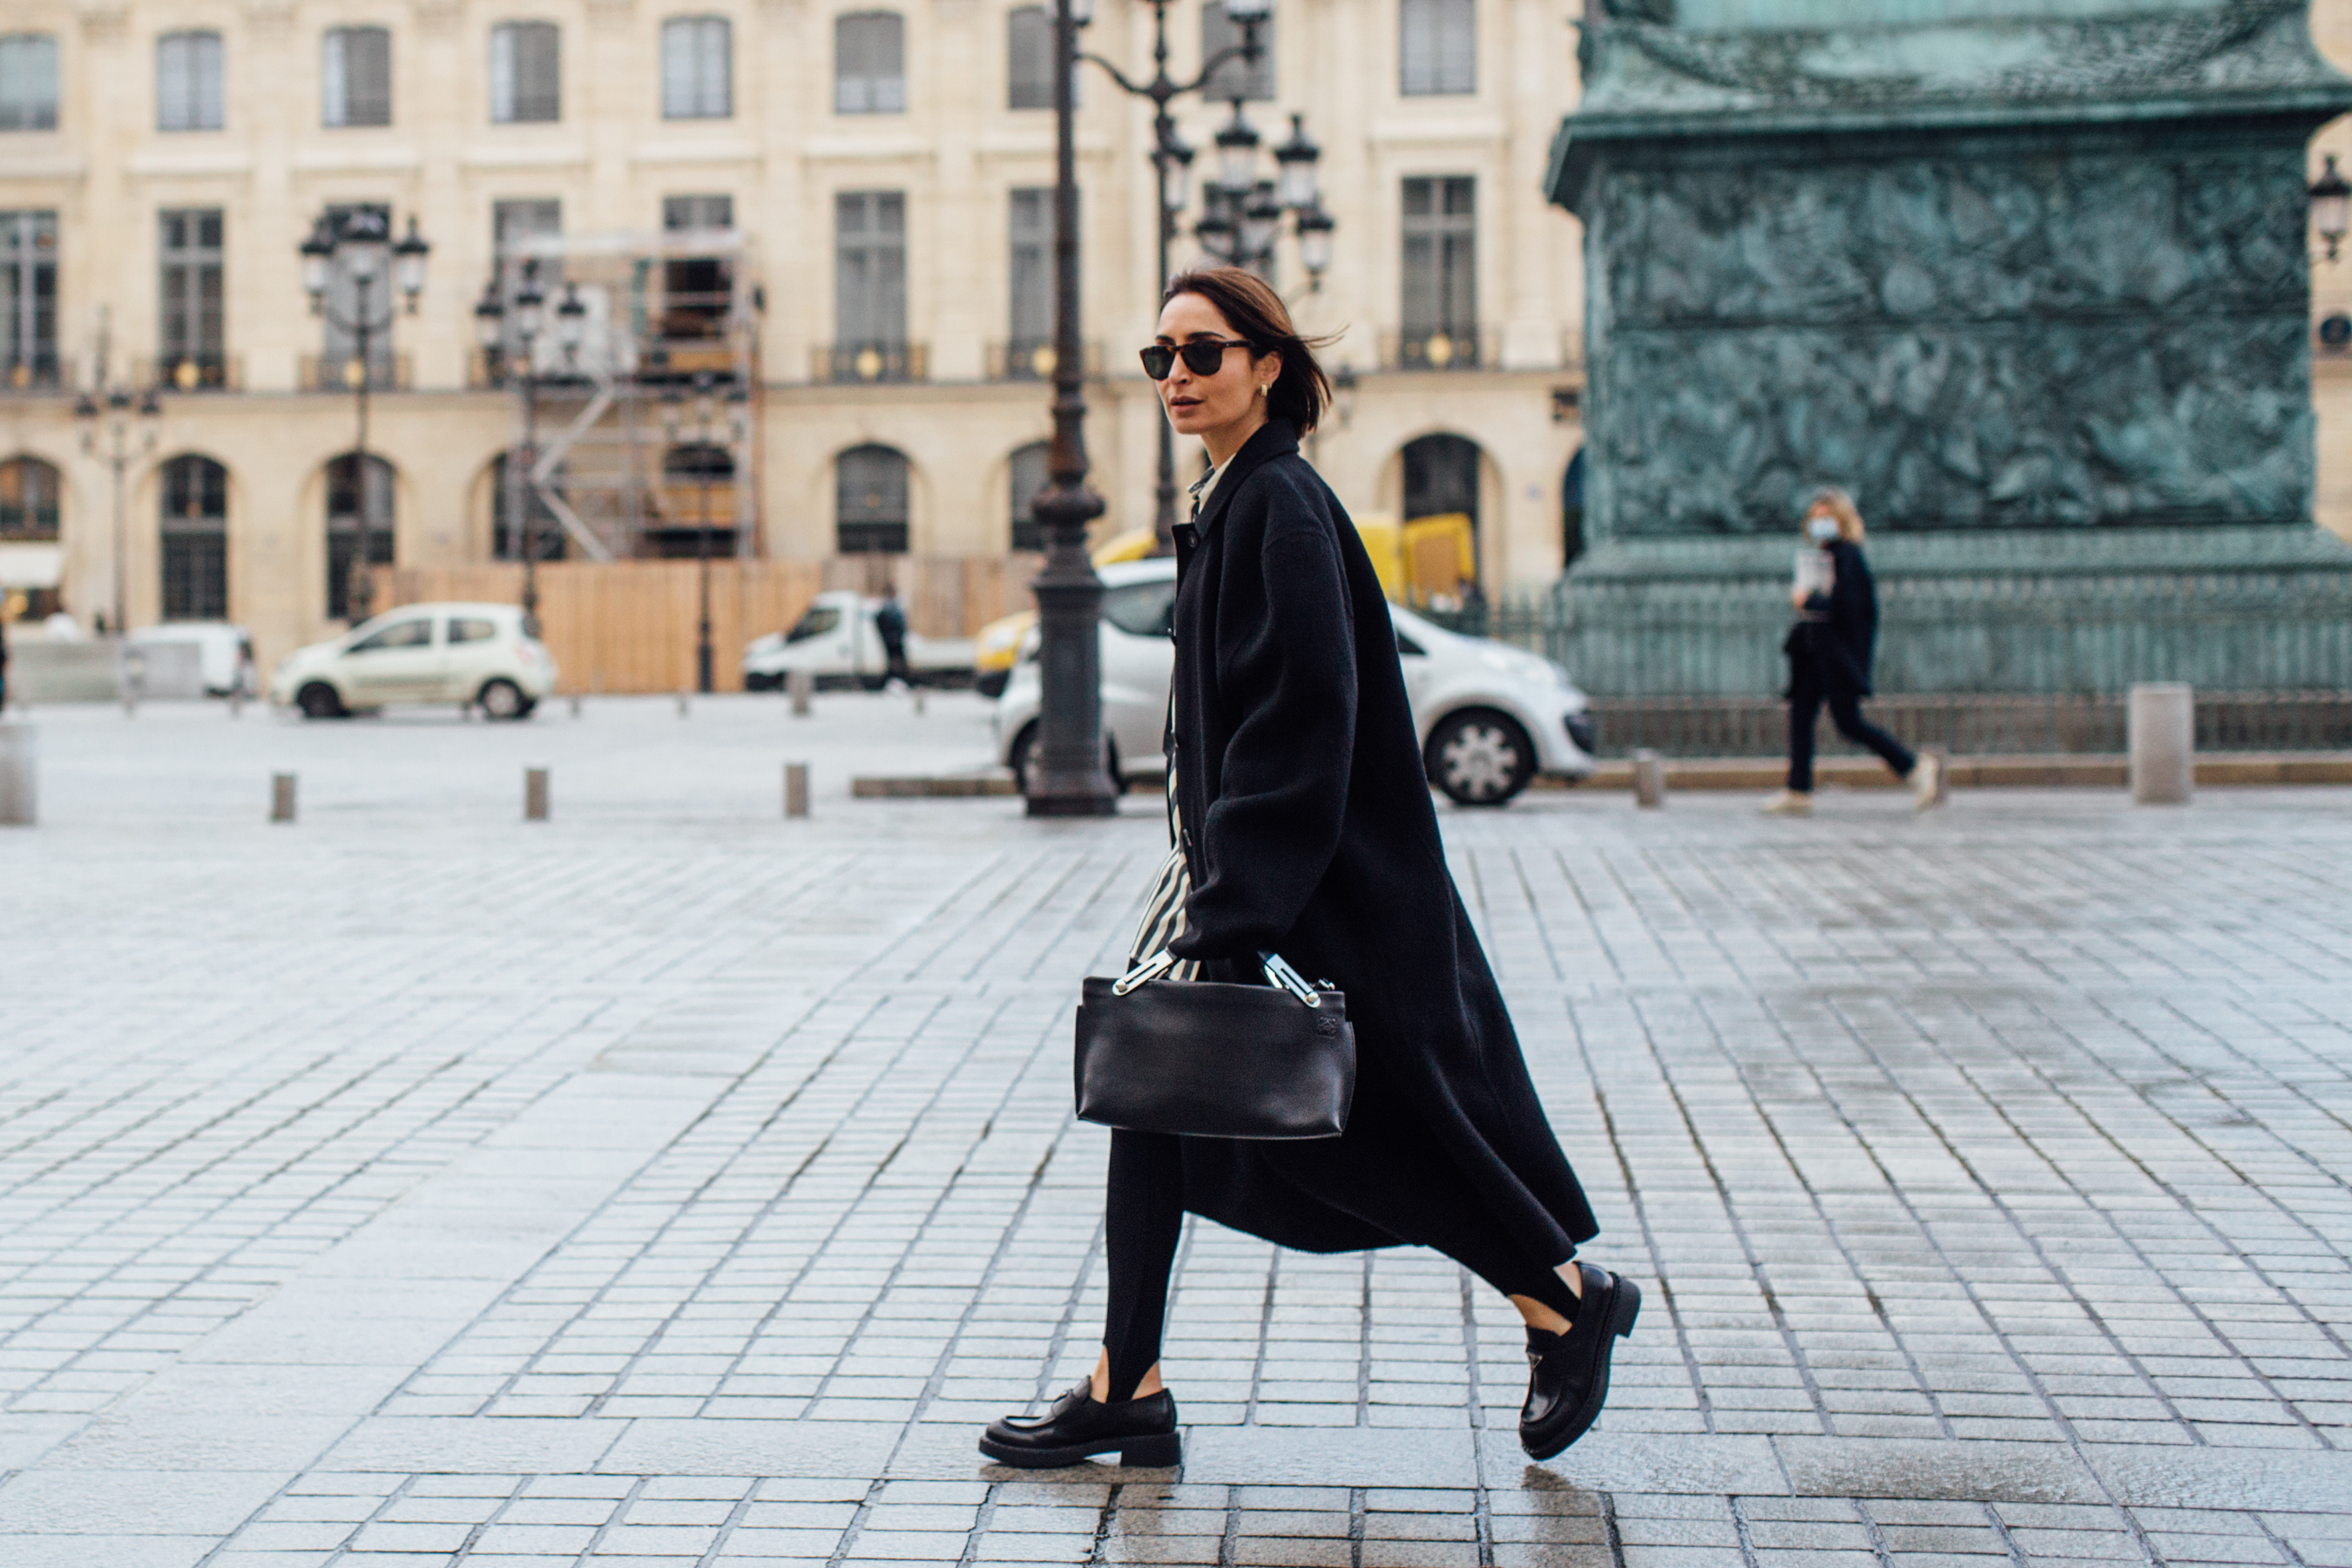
column 1274, row 438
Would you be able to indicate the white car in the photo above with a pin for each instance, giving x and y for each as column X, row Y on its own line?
column 836, row 642
column 472, row 654
column 1490, row 717
column 223, row 653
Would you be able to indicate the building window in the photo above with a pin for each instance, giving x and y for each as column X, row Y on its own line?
column 1441, row 293
column 28, row 298
column 29, row 83
column 188, row 94
column 359, row 524
column 545, row 528
column 28, row 500
column 869, row 63
column 1029, row 58
column 1236, row 77
column 869, row 285
column 192, row 346
column 1029, row 477
column 870, row 502
column 699, row 291
column 195, row 527
column 355, row 76
column 1437, row 46
column 1031, row 231
column 697, row 77
column 526, row 73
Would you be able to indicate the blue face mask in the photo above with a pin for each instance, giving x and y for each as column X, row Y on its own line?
column 1821, row 529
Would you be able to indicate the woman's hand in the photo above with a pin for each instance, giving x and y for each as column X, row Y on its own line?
column 1798, row 596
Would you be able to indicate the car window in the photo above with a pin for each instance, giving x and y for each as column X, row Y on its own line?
column 1142, row 609
column 400, row 633
column 819, row 620
column 471, row 628
column 1406, row 645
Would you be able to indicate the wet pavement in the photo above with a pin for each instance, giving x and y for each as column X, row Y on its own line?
column 671, row 1183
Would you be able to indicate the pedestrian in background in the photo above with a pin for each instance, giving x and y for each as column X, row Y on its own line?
column 1301, row 820
column 1830, row 650
column 4, row 652
column 890, row 621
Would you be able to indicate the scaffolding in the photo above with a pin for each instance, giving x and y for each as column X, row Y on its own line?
column 639, row 414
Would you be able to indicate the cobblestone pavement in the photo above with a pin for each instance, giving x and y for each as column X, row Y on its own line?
column 670, row 1183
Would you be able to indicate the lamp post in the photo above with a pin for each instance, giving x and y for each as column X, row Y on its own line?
column 117, row 455
column 529, row 311
column 1243, row 214
column 1172, row 164
column 1065, row 775
column 360, row 238
column 706, row 423
column 2331, row 205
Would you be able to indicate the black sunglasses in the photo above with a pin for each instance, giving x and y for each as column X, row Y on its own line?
column 1202, row 356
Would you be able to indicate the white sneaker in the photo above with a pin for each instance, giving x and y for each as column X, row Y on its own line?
column 1928, row 781
column 1789, row 802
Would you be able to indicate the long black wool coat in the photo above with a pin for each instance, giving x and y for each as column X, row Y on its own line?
column 1309, row 831
column 1833, row 647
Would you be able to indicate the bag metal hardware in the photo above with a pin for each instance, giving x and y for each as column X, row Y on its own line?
column 1159, row 963
column 1279, row 973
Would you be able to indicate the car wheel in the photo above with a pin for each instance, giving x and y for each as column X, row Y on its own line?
column 1480, row 757
column 1022, row 743
column 318, row 700
column 992, row 684
column 501, row 699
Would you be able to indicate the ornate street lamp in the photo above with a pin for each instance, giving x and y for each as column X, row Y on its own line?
column 529, row 318
column 360, row 238
column 117, row 424
column 2331, row 205
column 1243, row 219
column 706, row 427
column 1064, row 777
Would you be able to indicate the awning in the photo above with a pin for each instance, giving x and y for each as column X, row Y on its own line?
column 23, row 565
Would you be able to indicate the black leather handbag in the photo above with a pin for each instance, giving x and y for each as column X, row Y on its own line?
column 1215, row 1060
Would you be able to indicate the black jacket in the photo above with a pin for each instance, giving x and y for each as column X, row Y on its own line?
column 1309, row 831
column 1832, row 647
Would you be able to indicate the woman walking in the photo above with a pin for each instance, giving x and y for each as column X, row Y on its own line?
column 1830, row 650
column 1301, row 812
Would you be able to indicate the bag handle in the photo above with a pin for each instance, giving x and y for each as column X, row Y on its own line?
column 1277, row 973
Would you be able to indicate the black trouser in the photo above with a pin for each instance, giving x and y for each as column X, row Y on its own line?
column 1144, row 1217
column 1805, row 699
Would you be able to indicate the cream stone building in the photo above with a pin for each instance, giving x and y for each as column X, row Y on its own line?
column 830, row 203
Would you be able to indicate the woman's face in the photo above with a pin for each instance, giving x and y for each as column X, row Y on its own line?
column 1215, row 405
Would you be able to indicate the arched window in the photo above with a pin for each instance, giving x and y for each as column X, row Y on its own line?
column 697, row 75
column 359, row 526
column 547, row 540
column 1437, row 46
column 194, row 524
column 870, row 508
column 1029, row 477
column 29, row 83
column 869, row 63
column 1441, row 479
column 28, row 500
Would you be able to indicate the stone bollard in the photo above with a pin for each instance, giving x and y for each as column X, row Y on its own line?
column 2163, row 743
column 236, row 704
column 19, row 771
column 796, row 802
column 801, row 684
column 534, row 794
column 134, row 681
column 1649, row 780
column 919, row 701
column 281, row 798
column 681, row 705
column 575, row 705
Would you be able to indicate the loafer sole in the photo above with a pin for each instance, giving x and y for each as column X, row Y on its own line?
column 1623, row 1311
column 1159, row 1450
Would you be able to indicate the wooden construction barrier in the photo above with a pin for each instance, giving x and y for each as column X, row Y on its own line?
column 630, row 626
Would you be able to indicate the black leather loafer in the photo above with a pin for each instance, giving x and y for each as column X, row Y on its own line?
column 1078, row 1428
column 1568, row 1375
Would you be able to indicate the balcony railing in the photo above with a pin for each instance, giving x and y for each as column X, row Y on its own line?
column 39, row 373
column 190, row 373
column 871, row 362
column 1436, row 348
column 1033, row 359
column 342, row 372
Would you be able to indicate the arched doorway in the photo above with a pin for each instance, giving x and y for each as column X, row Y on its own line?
column 871, row 502
column 193, row 526
column 1441, row 480
column 31, row 566
column 698, row 502
column 359, row 531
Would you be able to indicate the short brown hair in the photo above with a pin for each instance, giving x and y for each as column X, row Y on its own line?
column 1257, row 315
